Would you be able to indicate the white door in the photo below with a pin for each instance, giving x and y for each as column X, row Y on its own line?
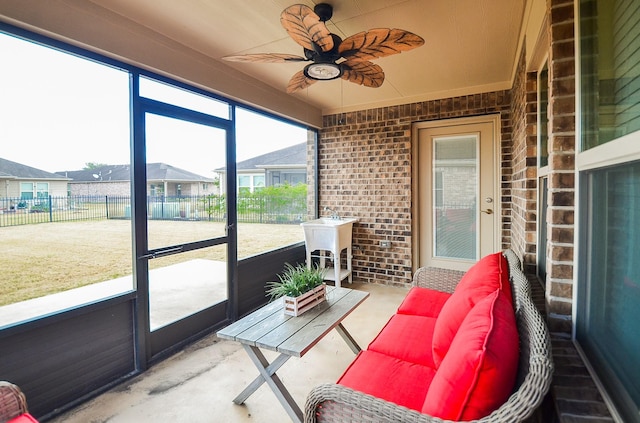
column 457, row 174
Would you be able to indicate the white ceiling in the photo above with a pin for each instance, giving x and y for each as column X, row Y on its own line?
column 470, row 45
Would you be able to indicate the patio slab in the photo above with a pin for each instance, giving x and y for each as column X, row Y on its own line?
column 176, row 291
column 199, row 383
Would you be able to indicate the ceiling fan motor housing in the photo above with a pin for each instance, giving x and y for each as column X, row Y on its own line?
column 324, row 11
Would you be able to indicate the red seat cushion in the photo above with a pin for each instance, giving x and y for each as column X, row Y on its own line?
column 389, row 378
column 484, row 277
column 407, row 337
column 23, row 418
column 478, row 373
column 423, row 302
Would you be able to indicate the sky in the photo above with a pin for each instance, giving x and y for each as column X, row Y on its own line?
column 59, row 112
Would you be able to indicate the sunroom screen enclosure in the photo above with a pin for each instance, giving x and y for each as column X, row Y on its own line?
column 167, row 233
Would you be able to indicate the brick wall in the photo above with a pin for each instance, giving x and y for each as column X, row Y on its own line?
column 562, row 148
column 365, row 171
column 524, row 179
column 574, row 391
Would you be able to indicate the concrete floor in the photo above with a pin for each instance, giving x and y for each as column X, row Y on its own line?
column 198, row 384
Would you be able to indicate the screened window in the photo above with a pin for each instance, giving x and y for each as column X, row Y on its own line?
column 608, row 328
column 609, row 166
column 610, row 69
column 61, row 114
column 170, row 94
column 271, row 203
column 66, row 120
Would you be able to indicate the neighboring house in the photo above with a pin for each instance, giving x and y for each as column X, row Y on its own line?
column 288, row 165
column 21, row 185
column 162, row 179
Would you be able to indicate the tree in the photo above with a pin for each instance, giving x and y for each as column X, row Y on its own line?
column 93, row 165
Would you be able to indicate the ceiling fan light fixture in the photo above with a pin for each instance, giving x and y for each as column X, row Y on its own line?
column 323, row 71
column 331, row 56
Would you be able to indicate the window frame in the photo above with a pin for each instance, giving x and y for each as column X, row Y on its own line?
column 618, row 151
column 136, row 72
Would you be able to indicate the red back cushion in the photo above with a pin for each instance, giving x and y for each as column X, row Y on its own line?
column 484, row 277
column 478, row 373
column 423, row 302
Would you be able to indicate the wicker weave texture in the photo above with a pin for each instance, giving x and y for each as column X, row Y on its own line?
column 12, row 401
column 336, row 403
column 444, row 280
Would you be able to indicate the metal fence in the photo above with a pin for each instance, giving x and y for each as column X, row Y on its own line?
column 252, row 208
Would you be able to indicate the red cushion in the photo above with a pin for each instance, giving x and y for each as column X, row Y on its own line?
column 23, row 418
column 479, row 371
column 423, row 302
column 389, row 378
column 408, row 338
column 504, row 275
column 482, row 279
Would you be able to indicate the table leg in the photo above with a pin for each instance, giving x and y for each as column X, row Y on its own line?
column 336, row 268
column 257, row 382
column 268, row 375
column 348, row 339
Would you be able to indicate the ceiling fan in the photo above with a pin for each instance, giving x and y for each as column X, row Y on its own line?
column 333, row 57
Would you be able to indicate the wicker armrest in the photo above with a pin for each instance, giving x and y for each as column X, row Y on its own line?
column 337, row 403
column 436, row 278
column 12, row 401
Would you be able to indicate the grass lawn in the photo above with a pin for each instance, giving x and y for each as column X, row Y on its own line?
column 42, row 259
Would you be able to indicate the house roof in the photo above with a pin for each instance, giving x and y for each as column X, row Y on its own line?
column 120, row 173
column 289, row 157
column 14, row 170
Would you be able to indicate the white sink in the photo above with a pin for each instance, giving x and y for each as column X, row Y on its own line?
column 330, row 221
column 334, row 235
column 329, row 234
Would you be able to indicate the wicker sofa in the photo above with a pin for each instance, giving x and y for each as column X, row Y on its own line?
column 341, row 402
column 13, row 405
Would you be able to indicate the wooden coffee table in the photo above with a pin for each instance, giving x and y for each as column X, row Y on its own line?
column 270, row 329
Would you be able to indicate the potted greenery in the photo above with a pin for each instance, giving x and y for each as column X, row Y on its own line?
column 301, row 288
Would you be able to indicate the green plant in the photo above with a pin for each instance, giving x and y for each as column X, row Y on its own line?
column 295, row 281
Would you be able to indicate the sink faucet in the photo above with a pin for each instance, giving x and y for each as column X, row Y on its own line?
column 334, row 214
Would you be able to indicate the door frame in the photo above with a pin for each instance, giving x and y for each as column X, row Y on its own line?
column 154, row 345
column 494, row 120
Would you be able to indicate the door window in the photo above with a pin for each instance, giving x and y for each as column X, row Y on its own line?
column 455, row 187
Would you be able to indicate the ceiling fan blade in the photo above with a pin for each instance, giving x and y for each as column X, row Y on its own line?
column 266, row 58
column 306, row 28
column 378, row 42
column 298, row 82
column 363, row 73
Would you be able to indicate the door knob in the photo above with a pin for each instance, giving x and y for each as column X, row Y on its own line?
column 488, row 211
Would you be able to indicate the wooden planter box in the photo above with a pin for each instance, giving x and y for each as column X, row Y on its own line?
column 295, row 306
